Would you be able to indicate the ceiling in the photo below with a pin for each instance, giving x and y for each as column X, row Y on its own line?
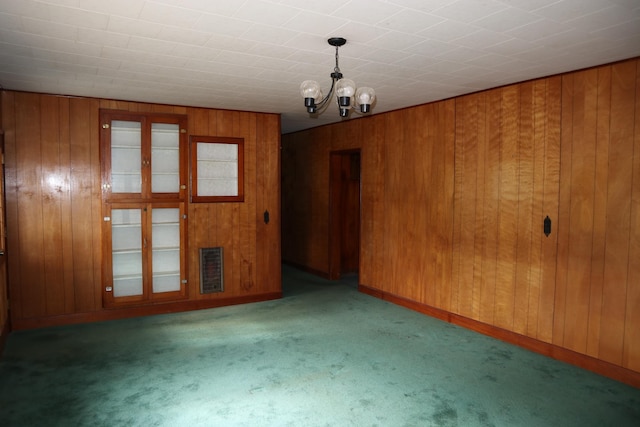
column 253, row 54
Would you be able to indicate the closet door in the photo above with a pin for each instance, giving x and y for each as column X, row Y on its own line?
column 145, row 246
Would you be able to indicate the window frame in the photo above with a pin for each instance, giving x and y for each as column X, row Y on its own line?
column 194, row 140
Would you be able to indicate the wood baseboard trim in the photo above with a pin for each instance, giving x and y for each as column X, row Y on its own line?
column 126, row 312
column 310, row 270
column 583, row 361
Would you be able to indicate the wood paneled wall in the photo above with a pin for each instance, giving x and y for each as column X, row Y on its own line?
column 54, row 208
column 454, row 195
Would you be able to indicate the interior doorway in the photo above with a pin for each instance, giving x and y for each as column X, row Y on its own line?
column 344, row 217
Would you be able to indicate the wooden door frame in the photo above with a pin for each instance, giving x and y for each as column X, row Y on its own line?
column 335, row 189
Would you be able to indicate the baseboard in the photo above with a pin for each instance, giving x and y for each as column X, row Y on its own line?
column 583, row 361
column 122, row 313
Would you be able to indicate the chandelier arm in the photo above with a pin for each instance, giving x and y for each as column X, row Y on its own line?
column 322, row 103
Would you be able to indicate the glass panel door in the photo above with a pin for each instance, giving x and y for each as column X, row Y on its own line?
column 126, row 165
column 165, row 158
column 126, row 252
column 165, row 225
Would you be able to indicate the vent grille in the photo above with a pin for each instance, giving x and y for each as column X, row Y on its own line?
column 211, row 270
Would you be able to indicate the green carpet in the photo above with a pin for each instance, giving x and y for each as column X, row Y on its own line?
column 324, row 355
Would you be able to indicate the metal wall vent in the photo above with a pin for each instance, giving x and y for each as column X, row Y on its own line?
column 211, row 270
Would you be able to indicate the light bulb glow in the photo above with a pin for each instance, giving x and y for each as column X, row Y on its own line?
column 310, row 89
column 365, row 96
column 345, row 87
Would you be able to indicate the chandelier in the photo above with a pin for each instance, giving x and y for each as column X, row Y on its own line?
column 345, row 89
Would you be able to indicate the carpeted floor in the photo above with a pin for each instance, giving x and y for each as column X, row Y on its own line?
column 324, row 355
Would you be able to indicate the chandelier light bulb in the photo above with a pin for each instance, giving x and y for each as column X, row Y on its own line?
column 365, row 96
column 310, row 89
column 345, row 87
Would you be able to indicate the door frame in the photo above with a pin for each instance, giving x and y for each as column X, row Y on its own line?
column 336, row 209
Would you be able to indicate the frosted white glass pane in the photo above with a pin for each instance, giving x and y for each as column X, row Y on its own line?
column 166, row 261
column 212, row 151
column 166, row 249
column 166, row 216
column 165, row 183
column 166, row 283
column 126, row 175
column 125, row 238
column 126, row 242
column 127, row 264
column 165, row 158
column 212, row 169
column 217, row 187
column 127, row 287
column 217, row 169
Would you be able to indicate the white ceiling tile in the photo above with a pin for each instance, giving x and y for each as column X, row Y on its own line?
column 460, row 54
column 602, row 18
column 529, row 5
column 118, row 24
column 78, row 17
column 216, row 24
column 266, row 13
column 481, row 39
column 366, row 11
column 169, row 15
column 469, row 10
column 394, row 40
column 507, row 19
column 49, row 29
column 268, row 34
column 315, row 23
column 410, row 21
column 537, row 30
column 126, row 8
column 564, row 10
column 102, row 38
column 448, row 30
column 224, row 8
column 182, row 35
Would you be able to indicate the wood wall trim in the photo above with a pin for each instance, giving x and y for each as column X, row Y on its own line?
column 122, row 313
column 583, row 361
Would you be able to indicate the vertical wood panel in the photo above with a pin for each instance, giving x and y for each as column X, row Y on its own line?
column 599, row 209
column 524, row 265
column 271, row 137
column 248, row 242
column 618, row 211
column 631, row 351
column 465, row 202
column 581, row 210
column 537, row 266
column 52, row 192
column 65, row 208
column 552, row 152
column 11, row 208
column 29, row 212
column 82, row 191
column 508, row 210
column 493, row 144
column 372, row 204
